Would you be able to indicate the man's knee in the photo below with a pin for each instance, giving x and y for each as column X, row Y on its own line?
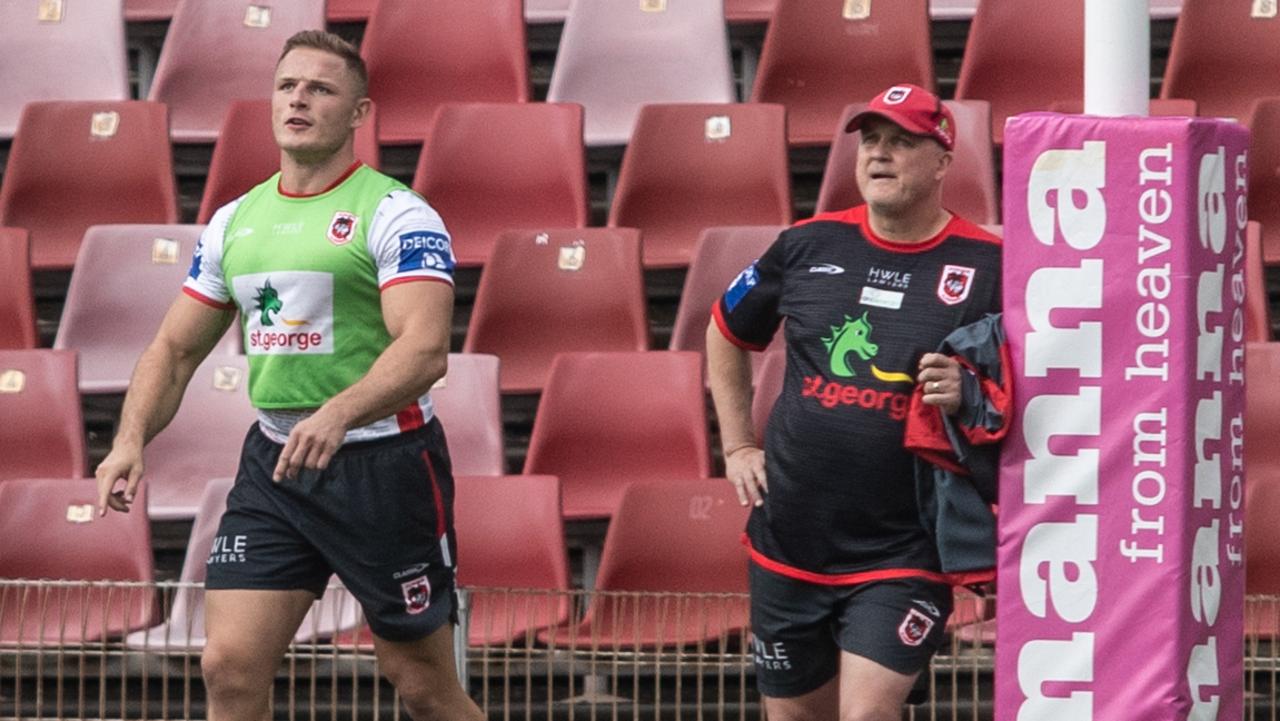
column 228, row 671
column 868, row 713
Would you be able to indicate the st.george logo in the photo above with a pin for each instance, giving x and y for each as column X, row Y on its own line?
column 955, row 283
column 342, row 228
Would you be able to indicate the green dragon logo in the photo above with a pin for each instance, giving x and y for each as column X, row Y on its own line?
column 268, row 301
column 854, row 336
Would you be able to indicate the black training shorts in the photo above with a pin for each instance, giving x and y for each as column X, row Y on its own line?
column 799, row 628
column 380, row 517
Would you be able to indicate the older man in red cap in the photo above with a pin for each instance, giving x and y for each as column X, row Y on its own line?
column 848, row 602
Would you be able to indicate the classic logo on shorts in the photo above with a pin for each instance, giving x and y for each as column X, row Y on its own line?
column 417, row 594
column 915, row 628
column 342, row 228
column 954, row 285
column 286, row 313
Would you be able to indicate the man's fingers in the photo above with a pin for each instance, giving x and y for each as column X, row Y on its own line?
column 105, row 482
column 282, row 464
column 117, row 502
column 131, row 487
column 739, row 488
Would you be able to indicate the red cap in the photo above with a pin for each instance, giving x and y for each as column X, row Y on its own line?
column 916, row 110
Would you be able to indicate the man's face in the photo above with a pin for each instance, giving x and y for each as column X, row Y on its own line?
column 896, row 170
column 315, row 104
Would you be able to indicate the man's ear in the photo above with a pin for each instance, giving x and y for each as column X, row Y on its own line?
column 361, row 112
column 944, row 163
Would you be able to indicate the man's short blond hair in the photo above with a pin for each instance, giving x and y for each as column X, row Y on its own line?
column 330, row 43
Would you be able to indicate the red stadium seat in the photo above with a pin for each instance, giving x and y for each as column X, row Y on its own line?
column 555, row 291
column 184, row 627
column 424, row 53
column 749, row 11
column 1156, row 107
column 144, row 11
column 718, row 258
column 246, row 153
column 88, row 151
column 350, row 11
column 17, row 302
column 216, row 52
column 1264, row 175
column 492, row 167
column 511, row 544
column 618, row 55
column 50, row 530
column 671, row 556
column 609, row 419
column 43, row 432
column 970, row 188
column 1262, row 485
column 469, row 408
column 125, row 279
column 1257, row 309
column 1218, row 46
column 55, row 52
column 769, row 378
column 691, row 167
column 1019, row 64
column 816, row 58
column 204, row 439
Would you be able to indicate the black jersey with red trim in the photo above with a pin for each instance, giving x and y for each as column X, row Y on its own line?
column 860, row 311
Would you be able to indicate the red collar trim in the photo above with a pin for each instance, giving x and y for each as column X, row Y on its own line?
column 341, row 179
column 895, row 246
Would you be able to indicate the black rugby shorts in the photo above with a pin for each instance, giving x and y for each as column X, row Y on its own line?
column 799, row 628
column 380, row 517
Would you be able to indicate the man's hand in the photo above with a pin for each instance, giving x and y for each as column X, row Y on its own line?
column 124, row 462
column 311, row 444
column 940, row 379
column 744, row 467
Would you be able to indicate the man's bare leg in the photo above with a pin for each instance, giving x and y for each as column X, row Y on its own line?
column 423, row 672
column 871, row 692
column 248, row 633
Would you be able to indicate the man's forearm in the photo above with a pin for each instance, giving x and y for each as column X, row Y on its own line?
column 405, row 370
column 155, row 391
column 729, row 368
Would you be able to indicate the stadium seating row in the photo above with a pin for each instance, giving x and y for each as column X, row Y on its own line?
column 510, row 536
column 617, row 55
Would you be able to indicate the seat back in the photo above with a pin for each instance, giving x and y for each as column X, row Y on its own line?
column 1023, row 55
column 511, row 536
column 217, row 52
column 607, row 419
column 50, row 529
column 554, row 291
column 71, row 51
column 203, row 440
column 691, row 167
column 17, row 301
column 89, row 151
column 492, row 167
column 146, row 11
column 1262, row 467
column 125, row 279
column 468, row 405
column 970, row 187
column 350, row 11
column 246, row 153
column 618, row 55
column 1264, row 175
column 651, row 590
column 538, row 12
column 818, row 54
column 1257, row 308
column 749, row 11
column 1217, row 48
column 43, row 432
column 423, row 53
column 718, row 258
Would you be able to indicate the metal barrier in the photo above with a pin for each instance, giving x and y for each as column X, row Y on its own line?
column 78, row 650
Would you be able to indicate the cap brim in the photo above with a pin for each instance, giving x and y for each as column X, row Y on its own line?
column 855, row 123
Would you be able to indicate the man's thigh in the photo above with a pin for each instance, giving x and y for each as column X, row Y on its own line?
column 254, row 627
column 792, row 635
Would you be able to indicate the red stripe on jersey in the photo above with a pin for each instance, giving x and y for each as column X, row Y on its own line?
column 398, row 281
column 435, row 494
column 967, row 578
column 411, row 418
column 341, row 178
column 728, row 334
column 207, row 300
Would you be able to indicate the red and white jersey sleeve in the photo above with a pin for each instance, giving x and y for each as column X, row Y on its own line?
column 408, row 241
column 205, row 280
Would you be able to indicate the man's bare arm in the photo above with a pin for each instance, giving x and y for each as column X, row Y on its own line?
column 729, row 368
column 188, row 332
column 419, row 318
